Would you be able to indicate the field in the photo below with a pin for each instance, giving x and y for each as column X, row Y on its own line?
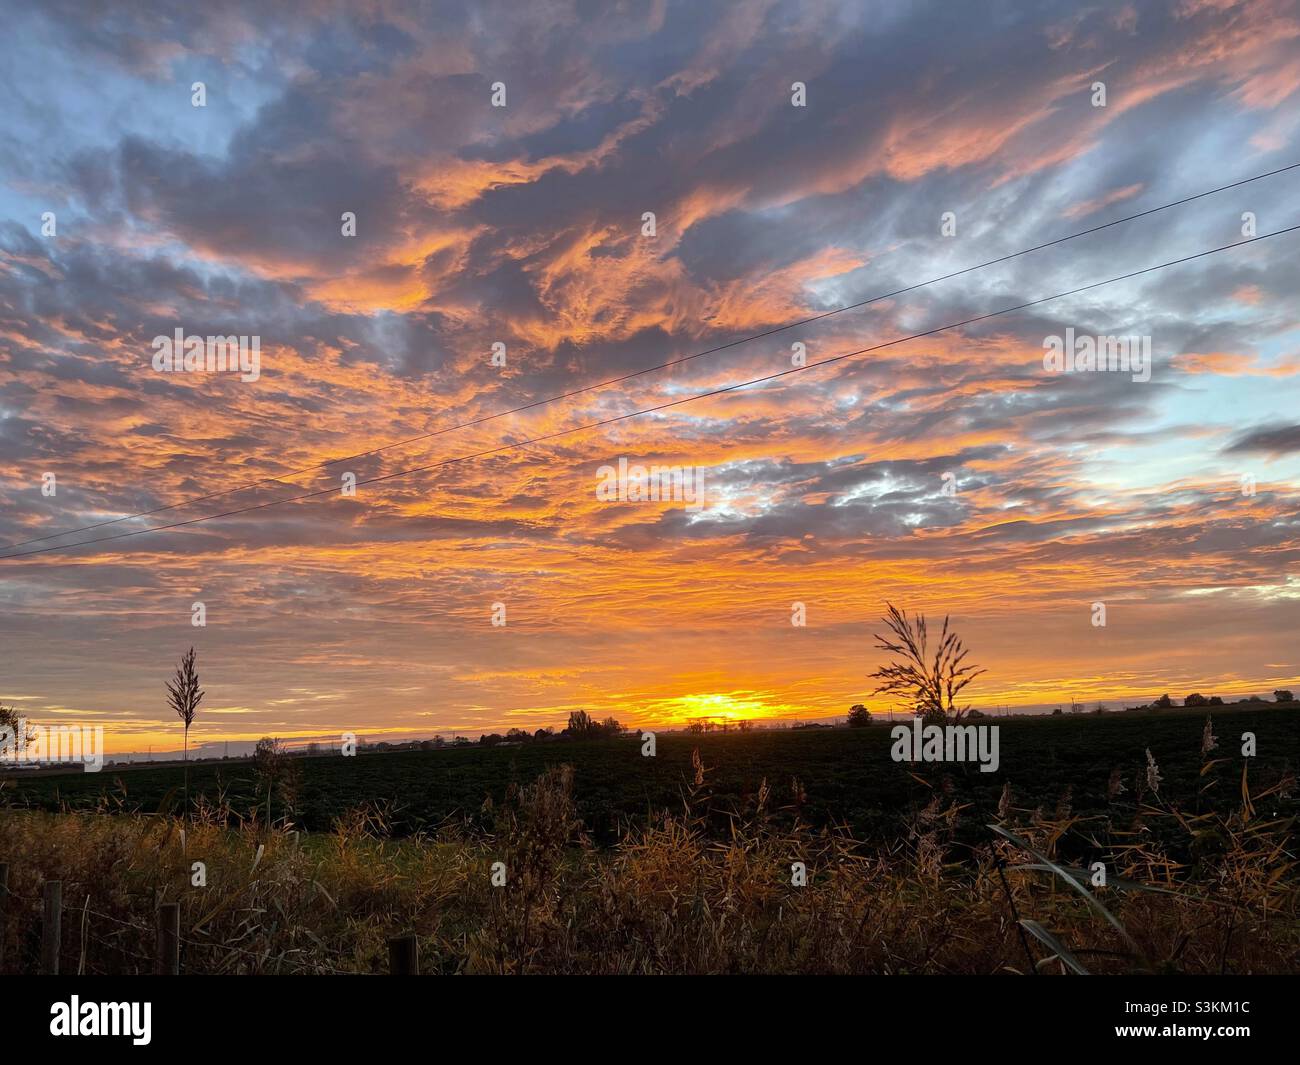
column 768, row 852
column 845, row 775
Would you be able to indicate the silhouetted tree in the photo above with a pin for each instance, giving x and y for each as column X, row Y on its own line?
column 1196, row 699
column 859, row 716
column 1164, row 702
column 11, row 724
column 581, row 725
column 184, row 696
column 1283, row 696
column 930, row 683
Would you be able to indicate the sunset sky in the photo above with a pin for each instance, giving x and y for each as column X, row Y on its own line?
column 523, row 225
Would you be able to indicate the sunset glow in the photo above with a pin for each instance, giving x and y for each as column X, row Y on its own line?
column 950, row 474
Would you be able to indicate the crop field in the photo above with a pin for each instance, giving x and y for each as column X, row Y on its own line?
column 760, row 852
column 843, row 776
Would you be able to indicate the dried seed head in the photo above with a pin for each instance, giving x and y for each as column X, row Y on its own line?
column 1208, row 741
column 1115, row 786
column 1153, row 773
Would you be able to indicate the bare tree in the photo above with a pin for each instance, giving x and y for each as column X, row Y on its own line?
column 15, row 732
column 581, row 724
column 184, row 695
column 9, row 717
column 930, row 684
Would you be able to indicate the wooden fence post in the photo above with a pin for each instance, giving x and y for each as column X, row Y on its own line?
column 167, row 956
column 4, row 901
column 52, row 928
column 403, row 956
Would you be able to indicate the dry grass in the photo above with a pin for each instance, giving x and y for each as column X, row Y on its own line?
column 674, row 896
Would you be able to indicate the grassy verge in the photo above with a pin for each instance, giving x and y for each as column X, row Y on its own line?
column 675, row 894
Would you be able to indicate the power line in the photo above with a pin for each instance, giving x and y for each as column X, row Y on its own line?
column 649, row 369
column 664, row 406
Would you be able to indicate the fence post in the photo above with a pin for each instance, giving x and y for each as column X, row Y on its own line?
column 4, row 901
column 403, row 956
column 167, row 957
column 52, row 928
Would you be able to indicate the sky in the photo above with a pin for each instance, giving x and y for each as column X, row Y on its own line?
column 500, row 161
